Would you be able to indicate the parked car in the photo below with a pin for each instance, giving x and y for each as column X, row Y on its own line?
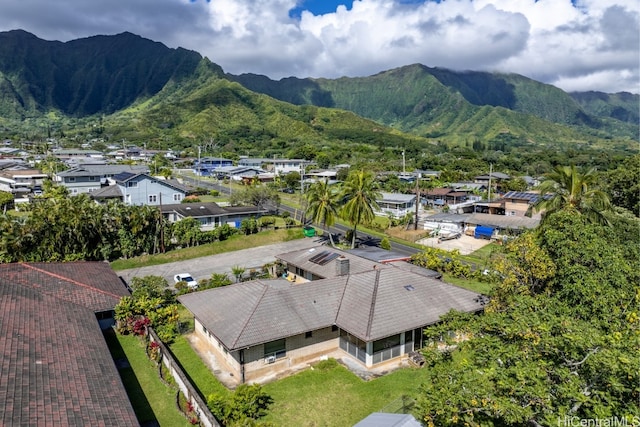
column 187, row 278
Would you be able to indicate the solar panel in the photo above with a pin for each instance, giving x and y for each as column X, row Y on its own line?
column 317, row 256
column 321, row 259
column 329, row 258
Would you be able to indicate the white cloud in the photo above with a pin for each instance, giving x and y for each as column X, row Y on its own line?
column 580, row 45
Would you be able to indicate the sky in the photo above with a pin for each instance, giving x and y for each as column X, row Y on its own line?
column 577, row 45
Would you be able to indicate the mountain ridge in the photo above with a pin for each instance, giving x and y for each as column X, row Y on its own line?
column 127, row 75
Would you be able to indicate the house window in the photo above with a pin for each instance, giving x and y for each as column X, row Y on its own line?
column 177, row 197
column 71, row 179
column 92, row 178
column 275, row 348
column 153, row 198
column 308, row 334
column 132, row 184
column 354, row 346
column 386, row 348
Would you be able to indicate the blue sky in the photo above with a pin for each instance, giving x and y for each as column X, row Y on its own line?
column 577, row 45
column 319, row 7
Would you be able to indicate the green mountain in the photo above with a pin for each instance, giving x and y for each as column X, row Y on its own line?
column 125, row 87
column 434, row 102
column 100, row 74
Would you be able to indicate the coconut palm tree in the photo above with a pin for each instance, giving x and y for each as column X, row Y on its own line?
column 359, row 196
column 322, row 206
column 566, row 188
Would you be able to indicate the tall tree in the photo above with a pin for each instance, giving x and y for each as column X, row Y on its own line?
column 359, row 196
column 566, row 188
column 322, row 205
column 555, row 344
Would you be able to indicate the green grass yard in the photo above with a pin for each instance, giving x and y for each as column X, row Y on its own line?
column 336, row 397
column 150, row 397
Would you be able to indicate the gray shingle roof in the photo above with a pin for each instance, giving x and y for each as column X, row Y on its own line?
column 256, row 312
column 209, row 209
column 302, row 260
column 103, row 170
column 502, row 221
column 368, row 303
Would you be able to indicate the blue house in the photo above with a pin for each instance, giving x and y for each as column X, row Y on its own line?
column 207, row 166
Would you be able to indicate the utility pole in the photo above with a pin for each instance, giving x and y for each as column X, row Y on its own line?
column 415, row 225
column 302, row 210
column 199, row 170
column 489, row 189
column 403, row 164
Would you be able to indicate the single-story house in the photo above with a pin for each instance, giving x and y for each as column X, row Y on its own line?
column 207, row 166
column 370, row 312
column 396, row 204
column 277, row 166
column 55, row 363
column 502, row 222
column 211, row 215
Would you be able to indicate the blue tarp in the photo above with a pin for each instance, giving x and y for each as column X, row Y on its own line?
column 483, row 232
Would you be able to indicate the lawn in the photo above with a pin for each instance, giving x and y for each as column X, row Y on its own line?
column 471, row 284
column 150, row 397
column 481, row 256
column 199, row 374
column 336, row 397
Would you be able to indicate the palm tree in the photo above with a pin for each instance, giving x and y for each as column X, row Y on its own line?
column 359, row 196
column 322, row 205
column 566, row 188
column 237, row 271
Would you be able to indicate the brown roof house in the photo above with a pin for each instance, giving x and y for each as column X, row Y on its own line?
column 55, row 366
column 364, row 312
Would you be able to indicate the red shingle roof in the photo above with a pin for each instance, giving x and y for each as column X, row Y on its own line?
column 55, row 366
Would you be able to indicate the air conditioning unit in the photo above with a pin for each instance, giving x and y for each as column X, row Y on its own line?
column 269, row 359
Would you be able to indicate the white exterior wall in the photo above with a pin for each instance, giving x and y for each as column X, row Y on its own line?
column 448, row 226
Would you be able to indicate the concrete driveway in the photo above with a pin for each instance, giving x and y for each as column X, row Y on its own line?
column 202, row 268
column 465, row 244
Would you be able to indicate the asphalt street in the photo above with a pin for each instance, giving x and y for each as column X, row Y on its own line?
column 204, row 267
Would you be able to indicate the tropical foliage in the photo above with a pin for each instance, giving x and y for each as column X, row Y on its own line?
column 359, row 200
column 566, row 188
column 322, row 207
column 76, row 228
column 558, row 339
column 244, row 407
column 150, row 304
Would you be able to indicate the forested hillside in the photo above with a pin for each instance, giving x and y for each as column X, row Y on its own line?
column 433, row 102
column 126, row 88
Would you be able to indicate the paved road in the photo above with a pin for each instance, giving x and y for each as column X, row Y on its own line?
column 203, row 267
